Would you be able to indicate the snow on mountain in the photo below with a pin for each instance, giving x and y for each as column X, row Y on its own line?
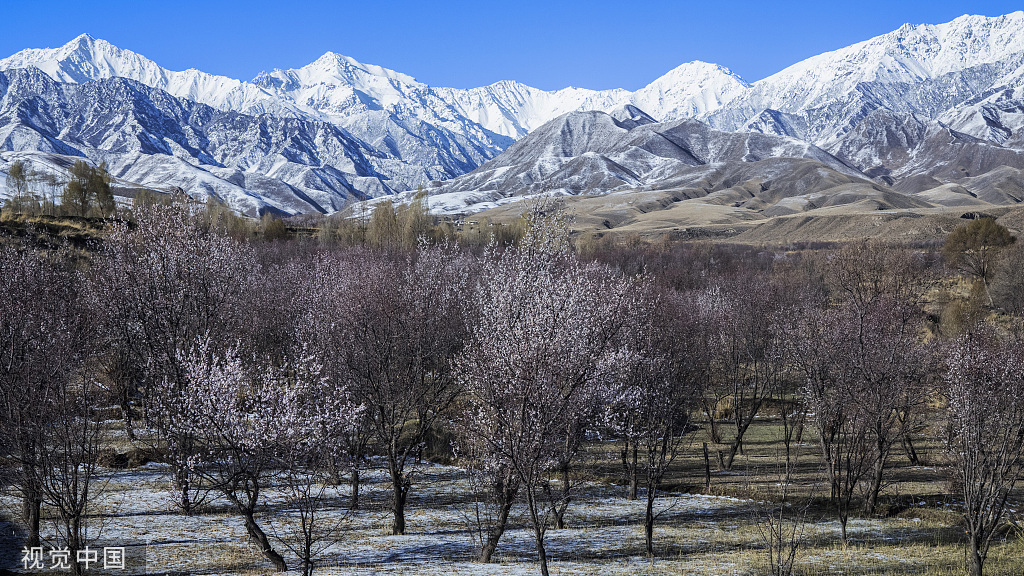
column 514, row 109
column 387, row 109
column 155, row 139
column 597, row 153
column 86, row 58
column 689, row 91
column 425, row 133
column 391, row 111
column 996, row 114
column 924, row 69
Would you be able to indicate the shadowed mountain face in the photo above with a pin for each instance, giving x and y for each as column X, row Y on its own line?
column 597, row 153
column 912, row 164
column 251, row 162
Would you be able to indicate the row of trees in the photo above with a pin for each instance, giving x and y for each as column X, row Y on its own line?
column 84, row 192
column 250, row 365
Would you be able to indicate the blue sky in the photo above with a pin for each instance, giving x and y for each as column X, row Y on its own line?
column 544, row 43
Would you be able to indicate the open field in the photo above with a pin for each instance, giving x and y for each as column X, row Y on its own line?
column 656, row 214
column 698, row 531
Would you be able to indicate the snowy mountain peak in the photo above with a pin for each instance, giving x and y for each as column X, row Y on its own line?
column 913, row 53
column 968, row 73
column 690, row 90
column 82, row 59
column 698, row 71
column 334, row 66
column 82, row 40
column 924, row 69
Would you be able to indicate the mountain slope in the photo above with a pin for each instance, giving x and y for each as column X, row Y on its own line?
column 335, row 89
column 150, row 137
column 599, row 153
column 924, row 69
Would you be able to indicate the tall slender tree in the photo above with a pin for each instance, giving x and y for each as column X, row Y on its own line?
column 547, row 340
column 45, row 337
column 984, row 384
column 402, row 323
column 663, row 373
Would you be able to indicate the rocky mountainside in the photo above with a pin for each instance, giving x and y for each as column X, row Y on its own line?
column 888, row 104
column 599, row 153
column 253, row 163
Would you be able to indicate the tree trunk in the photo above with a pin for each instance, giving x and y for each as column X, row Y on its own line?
column 73, row 525
column 908, row 447
column 737, row 444
column 630, row 470
column 181, row 480
column 538, row 530
column 31, row 505
column 707, row 469
column 649, row 519
column 633, row 484
column 975, row 559
column 355, row 489
column 495, row 533
column 400, row 492
column 559, row 508
column 716, row 434
column 871, row 502
column 260, row 537
column 126, row 411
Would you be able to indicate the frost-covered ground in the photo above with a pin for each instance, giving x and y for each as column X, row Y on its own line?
column 695, row 534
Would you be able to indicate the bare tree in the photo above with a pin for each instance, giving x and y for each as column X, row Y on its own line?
column 234, row 417
column 863, row 372
column 248, row 420
column 319, row 299
column 319, row 418
column 166, row 283
column 402, row 323
column 878, row 289
column 546, row 338
column 663, row 375
column 70, row 458
column 782, row 522
column 830, row 390
column 45, row 336
column 984, row 383
column 750, row 365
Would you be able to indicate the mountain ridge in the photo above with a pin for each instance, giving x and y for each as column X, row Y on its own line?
column 887, row 108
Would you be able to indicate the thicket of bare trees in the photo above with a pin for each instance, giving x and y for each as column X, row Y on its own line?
column 288, row 367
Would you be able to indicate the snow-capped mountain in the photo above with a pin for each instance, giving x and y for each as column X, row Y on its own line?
column 514, row 109
column 416, row 133
column 390, row 109
column 941, row 102
column 598, row 153
column 926, row 70
column 145, row 135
